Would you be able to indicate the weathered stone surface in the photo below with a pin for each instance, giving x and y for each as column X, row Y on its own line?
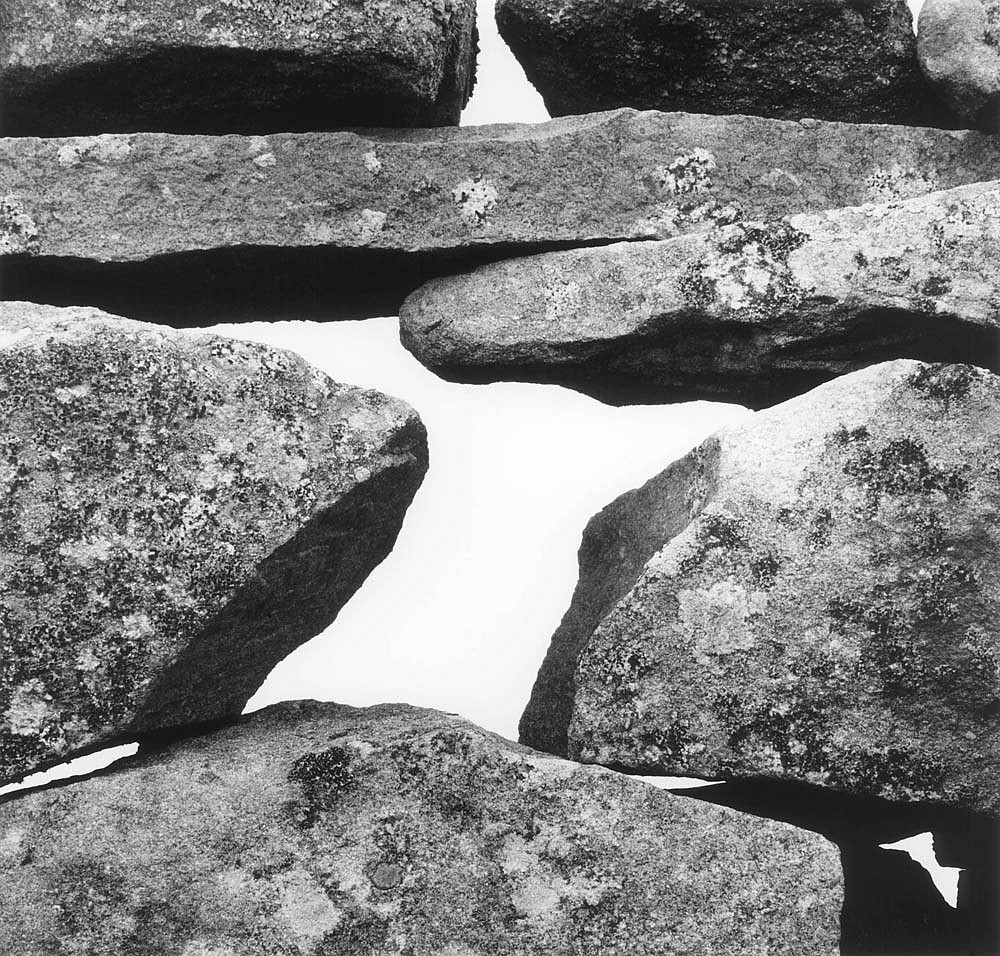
column 751, row 312
column 810, row 596
column 959, row 47
column 221, row 224
column 853, row 60
column 72, row 68
column 177, row 513
column 317, row 829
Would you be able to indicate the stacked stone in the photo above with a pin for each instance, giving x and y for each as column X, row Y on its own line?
column 805, row 606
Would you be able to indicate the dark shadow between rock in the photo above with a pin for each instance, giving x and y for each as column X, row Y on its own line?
column 891, row 907
column 248, row 283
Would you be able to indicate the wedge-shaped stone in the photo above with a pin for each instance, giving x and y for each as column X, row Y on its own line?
column 313, row 828
column 351, row 222
column 812, row 596
column 751, row 312
column 178, row 512
column 70, row 68
column 852, row 60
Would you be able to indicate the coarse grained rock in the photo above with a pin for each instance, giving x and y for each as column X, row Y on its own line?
column 69, row 67
column 811, row 596
column 959, row 47
column 178, row 512
column 851, row 60
column 313, row 828
column 751, row 312
column 318, row 216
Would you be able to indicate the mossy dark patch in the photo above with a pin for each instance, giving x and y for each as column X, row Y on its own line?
column 946, row 383
column 669, row 742
column 902, row 467
column 716, row 531
column 779, row 239
column 324, row 778
column 894, row 769
column 741, row 255
column 796, row 732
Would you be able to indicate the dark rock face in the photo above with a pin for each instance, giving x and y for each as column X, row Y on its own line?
column 812, row 597
column 312, row 828
column 350, row 223
column 959, row 47
column 179, row 512
column 72, row 68
column 750, row 312
column 851, row 60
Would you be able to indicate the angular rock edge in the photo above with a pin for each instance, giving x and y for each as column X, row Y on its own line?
column 335, row 829
column 230, row 227
column 751, row 312
column 246, row 68
column 868, row 628
column 180, row 512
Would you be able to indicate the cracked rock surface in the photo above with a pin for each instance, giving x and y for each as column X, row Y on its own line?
column 750, row 312
column 317, row 829
column 853, row 60
column 810, row 596
column 92, row 66
column 178, row 512
column 199, row 205
column 959, row 46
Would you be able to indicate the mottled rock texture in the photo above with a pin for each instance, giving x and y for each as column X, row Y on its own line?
column 234, row 221
column 751, row 312
column 852, row 60
column 810, row 596
column 959, row 46
column 71, row 67
column 177, row 513
column 317, row 829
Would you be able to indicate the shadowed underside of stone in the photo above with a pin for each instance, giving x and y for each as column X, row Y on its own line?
column 750, row 312
column 356, row 221
column 852, row 60
column 178, row 512
column 312, row 828
column 812, row 596
column 69, row 68
column 959, row 47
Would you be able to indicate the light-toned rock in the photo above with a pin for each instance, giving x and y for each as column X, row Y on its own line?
column 350, row 223
column 853, row 60
column 751, row 312
column 959, row 47
column 69, row 67
column 811, row 596
column 317, row 829
column 178, row 512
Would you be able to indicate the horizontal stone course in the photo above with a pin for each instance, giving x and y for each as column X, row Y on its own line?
column 71, row 68
column 349, row 223
column 751, row 312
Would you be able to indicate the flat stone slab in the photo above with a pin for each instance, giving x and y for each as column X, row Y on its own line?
column 751, row 312
column 232, row 65
column 349, row 223
column 179, row 512
column 959, row 47
column 811, row 596
column 313, row 828
column 851, row 60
